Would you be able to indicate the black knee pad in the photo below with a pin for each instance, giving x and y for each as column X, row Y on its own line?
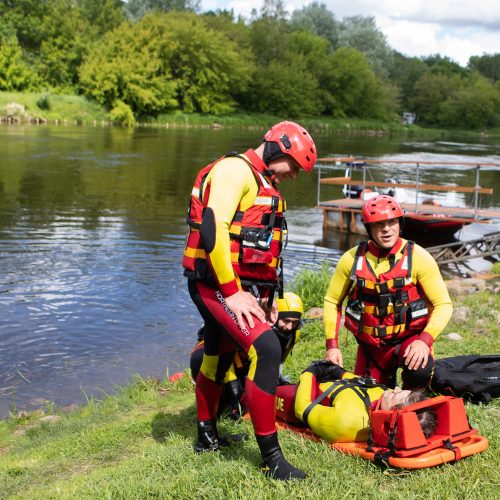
column 268, row 350
column 195, row 362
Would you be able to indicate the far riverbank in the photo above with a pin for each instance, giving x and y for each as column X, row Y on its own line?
column 46, row 108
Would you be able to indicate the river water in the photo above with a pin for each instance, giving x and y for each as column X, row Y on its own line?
column 92, row 225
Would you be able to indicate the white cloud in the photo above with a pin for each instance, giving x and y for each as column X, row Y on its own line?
column 454, row 28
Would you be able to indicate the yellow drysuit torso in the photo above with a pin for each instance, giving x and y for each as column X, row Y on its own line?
column 345, row 419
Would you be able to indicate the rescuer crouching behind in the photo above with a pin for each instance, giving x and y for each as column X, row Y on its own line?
column 287, row 328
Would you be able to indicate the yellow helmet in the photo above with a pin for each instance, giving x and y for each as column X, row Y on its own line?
column 290, row 306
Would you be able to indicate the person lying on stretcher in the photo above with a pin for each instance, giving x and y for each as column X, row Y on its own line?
column 335, row 404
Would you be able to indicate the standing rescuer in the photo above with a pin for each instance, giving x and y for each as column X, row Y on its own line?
column 397, row 301
column 233, row 265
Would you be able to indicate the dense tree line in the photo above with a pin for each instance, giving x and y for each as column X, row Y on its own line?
column 145, row 57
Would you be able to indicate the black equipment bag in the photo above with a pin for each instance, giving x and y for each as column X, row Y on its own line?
column 474, row 378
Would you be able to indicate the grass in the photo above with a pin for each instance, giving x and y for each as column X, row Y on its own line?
column 52, row 107
column 73, row 109
column 138, row 443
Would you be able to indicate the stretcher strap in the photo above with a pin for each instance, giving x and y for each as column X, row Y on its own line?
column 457, row 452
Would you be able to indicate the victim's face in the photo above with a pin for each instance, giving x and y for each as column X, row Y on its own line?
column 392, row 398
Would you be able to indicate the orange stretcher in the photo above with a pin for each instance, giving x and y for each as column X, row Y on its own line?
column 397, row 439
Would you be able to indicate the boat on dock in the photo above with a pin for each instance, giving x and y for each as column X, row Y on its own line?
column 426, row 219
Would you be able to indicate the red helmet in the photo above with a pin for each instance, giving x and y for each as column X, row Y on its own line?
column 381, row 207
column 295, row 141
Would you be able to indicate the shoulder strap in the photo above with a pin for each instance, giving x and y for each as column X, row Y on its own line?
column 409, row 256
column 359, row 250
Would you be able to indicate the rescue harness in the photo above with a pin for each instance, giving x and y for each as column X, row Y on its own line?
column 386, row 309
column 257, row 234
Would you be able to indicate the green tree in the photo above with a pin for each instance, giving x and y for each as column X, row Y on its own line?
column 126, row 68
column 362, row 34
column 136, row 9
column 405, row 72
column 476, row 104
column 208, row 68
column 356, row 91
column 14, row 72
column 165, row 61
column 65, row 41
column 274, row 9
column 430, row 91
column 443, row 65
column 22, row 19
column 102, row 15
column 287, row 89
column 317, row 54
column 237, row 30
column 270, row 39
column 487, row 64
column 317, row 19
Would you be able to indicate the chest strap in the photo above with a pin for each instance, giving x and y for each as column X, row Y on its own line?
column 358, row 385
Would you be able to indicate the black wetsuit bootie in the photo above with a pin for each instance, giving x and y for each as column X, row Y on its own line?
column 274, row 464
column 210, row 440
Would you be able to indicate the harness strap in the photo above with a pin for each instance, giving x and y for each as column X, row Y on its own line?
column 409, row 256
column 338, row 386
column 448, row 445
column 360, row 248
column 322, row 396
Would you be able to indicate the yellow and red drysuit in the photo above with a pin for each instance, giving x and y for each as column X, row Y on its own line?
column 237, row 225
column 393, row 298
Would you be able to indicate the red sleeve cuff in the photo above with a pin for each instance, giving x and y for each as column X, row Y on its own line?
column 427, row 338
column 332, row 344
column 229, row 288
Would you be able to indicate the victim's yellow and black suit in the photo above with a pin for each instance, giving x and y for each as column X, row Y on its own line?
column 342, row 416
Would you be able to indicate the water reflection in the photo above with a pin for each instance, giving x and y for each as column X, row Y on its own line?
column 92, row 225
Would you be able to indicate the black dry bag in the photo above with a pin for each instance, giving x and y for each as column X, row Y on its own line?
column 474, row 378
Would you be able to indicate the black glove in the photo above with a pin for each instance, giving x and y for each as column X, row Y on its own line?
column 325, row 371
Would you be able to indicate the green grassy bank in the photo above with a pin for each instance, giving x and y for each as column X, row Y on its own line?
column 44, row 107
column 138, row 443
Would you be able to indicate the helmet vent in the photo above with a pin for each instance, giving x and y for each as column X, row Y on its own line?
column 286, row 141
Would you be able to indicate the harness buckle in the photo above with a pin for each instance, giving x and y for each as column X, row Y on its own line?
column 360, row 282
column 384, row 299
column 381, row 331
column 367, row 381
column 399, row 282
column 381, row 288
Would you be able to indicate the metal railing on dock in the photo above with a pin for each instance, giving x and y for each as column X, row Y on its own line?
column 351, row 205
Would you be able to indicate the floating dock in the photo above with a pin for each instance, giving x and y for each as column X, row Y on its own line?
column 344, row 214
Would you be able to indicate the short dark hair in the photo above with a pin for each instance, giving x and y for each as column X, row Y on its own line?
column 427, row 417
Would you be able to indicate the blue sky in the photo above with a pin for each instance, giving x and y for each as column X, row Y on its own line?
column 453, row 28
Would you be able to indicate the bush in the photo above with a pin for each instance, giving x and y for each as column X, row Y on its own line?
column 122, row 114
column 311, row 286
column 44, row 102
